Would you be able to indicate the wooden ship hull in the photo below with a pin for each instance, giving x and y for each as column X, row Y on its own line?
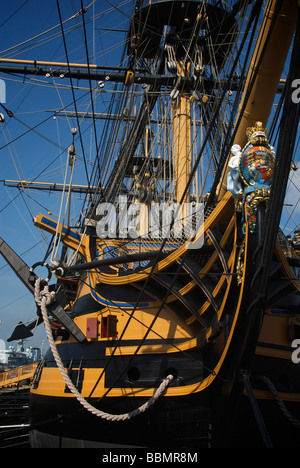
column 161, row 347
column 210, row 364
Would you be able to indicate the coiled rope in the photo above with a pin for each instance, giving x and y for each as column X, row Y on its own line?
column 43, row 299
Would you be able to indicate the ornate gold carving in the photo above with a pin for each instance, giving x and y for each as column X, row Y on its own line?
column 240, row 263
column 260, row 195
column 253, row 199
column 257, row 135
column 238, row 202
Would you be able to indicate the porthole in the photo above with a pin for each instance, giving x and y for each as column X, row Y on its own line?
column 133, row 374
column 172, row 371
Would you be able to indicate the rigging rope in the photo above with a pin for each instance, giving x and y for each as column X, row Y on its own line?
column 281, row 404
column 45, row 297
column 73, row 94
column 182, row 198
column 230, row 138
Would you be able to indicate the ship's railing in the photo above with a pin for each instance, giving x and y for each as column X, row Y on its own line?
column 12, row 377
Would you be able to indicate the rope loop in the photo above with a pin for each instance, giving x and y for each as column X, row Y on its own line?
column 44, row 298
column 42, row 264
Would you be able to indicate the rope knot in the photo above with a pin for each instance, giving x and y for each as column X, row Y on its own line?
column 43, row 297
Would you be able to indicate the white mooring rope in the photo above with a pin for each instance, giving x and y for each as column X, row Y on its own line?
column 44, row 298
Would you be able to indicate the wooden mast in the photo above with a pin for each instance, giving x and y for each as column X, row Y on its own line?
column 182, row 136
column 262, row 94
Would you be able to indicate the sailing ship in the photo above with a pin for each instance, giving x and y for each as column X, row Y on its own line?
column 176, row 295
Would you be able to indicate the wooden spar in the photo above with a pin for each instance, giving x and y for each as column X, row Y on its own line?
column 262, row 95
column 43, row 63
column 51, row 186
column 182, row 138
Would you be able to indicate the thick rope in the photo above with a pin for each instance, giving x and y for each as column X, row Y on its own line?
column 43, row 299
column 280, row 403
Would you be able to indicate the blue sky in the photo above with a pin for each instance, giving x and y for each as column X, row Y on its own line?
column 29, row 155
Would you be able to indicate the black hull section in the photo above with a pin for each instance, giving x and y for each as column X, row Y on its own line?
column 282, row 433
column 179, row 422
column 190, row 422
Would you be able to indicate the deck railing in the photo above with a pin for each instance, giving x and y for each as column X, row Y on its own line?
column 12, row 377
